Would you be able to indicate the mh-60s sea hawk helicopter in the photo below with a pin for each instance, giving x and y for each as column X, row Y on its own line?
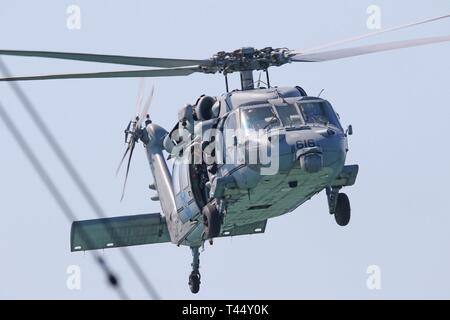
column 239, row 158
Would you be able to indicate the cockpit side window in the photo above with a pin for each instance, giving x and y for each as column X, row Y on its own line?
column 231, row 122
column 318, row 112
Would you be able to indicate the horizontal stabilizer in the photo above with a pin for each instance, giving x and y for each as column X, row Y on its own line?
column 118, row 232
column 252, row 228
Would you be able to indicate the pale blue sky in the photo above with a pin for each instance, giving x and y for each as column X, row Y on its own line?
column 397, row 103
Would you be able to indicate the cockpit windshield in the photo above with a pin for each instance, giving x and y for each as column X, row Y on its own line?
column 318, row 112
column 258, row 118
column 287, row 115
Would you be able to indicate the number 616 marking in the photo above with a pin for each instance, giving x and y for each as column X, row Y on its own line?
column 305, row 143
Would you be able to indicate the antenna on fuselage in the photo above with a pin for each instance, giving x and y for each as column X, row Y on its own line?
column 267, row 78
column 320, row 92
column 226, row 82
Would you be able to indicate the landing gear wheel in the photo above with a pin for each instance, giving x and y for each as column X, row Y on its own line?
column 194, row 281
column 211, row 220
column 194, row 277
column 342, row 213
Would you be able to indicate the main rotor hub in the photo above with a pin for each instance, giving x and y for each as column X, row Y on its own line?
column 247, row 59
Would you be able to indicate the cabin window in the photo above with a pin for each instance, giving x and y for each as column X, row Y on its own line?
column 180, row 178
column 184, row 175
column 176, row 177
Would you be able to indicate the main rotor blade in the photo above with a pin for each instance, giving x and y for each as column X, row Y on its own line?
column 183, row 71
column 357, row 51
column 371, row 34
column 146, row 108
column 103, row 58
column 128, row 169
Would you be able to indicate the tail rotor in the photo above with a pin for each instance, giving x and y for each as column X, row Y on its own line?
column 133, row 131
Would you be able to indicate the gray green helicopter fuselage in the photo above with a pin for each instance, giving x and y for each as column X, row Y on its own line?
column 248, row 196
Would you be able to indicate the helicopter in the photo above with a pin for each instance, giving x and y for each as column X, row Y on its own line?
column 239, row 158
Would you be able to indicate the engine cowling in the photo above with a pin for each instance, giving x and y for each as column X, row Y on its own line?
column 203, row 108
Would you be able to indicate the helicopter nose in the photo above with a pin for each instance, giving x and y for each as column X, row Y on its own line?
column 311, row 162
column 316, row 150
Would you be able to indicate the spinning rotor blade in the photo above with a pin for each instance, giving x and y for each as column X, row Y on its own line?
column 131, row 147
column 135, row 127
column 357, row 51
column 121, row 160
column 127, row 130
column 172, row 72
column 102, row 58
column 140, row 95
column 371, row 34
column 146, row 108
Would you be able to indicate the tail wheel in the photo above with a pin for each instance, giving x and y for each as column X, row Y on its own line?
column 194, row 282
column 211, row 220
column 342, row 213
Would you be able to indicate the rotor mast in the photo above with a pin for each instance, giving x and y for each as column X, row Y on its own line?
column 247, row 82
column 247, row 56
column 246, row 60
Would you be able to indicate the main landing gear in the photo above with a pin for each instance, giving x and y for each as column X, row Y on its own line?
column 194, row 277
column 339, row 205
column 212, row 220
